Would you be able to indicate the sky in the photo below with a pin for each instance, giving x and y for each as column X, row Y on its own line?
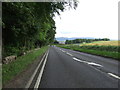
column 92, row 18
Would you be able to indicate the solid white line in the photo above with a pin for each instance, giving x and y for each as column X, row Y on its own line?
column 32, row 77
column 40, row 74
column 114, row 75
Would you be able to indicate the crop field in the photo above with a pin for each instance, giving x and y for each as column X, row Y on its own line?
column 103, row 43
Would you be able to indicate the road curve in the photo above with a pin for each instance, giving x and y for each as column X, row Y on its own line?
column 71, row 69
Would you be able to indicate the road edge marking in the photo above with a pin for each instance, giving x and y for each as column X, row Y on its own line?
column 32, row 77
column 113, row 75
column 41, row 72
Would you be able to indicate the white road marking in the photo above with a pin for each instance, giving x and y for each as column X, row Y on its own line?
column 79, row 60
column 40, row 74
column 114, row 75
column 63, row 51
column 91, row 63
column 69, row 54
column 32, row 77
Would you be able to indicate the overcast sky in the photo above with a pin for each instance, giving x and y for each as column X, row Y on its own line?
column 92, row 18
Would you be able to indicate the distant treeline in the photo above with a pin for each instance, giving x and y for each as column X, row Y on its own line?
column 27, row 25
column 84, row 40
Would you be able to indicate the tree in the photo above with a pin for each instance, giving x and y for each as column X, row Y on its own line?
column 28, row 25
column 56, row 42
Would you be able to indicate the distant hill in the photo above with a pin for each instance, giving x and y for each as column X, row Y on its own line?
column 72, row 38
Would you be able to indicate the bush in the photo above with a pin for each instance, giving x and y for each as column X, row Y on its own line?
column 10, row 51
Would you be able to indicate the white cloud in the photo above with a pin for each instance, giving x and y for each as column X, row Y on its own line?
column 92, row 18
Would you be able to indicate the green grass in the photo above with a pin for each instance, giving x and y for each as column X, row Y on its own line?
column 12, row 69
column 106, row 53
column 101, row 48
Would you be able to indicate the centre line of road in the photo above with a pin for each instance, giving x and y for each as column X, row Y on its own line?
column 90, row 63
column 113, row 75
column 40, row 74
column 63, row 51
column 79, row 60
column 69, row 54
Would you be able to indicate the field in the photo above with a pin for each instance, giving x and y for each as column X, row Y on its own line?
column 102, row 48
column 103, row 43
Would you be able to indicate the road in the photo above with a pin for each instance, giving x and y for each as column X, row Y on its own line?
column 66, row 68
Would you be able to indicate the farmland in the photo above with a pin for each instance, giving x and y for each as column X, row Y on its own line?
column 103, row 43
column 102, row 48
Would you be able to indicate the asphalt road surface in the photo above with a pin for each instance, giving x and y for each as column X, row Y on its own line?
column 66, row 68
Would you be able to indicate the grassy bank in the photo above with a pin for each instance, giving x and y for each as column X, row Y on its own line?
column 14, row 68
column 106, row 51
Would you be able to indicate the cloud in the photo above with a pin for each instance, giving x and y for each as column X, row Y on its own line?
column 92, row 18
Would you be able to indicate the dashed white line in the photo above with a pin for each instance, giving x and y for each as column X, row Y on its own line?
column 91, row 63
column 79, row 60
column 113, row 75
column 69, row 54
column 66, row 52
column 63, row 51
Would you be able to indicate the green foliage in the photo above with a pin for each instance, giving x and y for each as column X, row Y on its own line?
column 84, row 40
column 11, row 51
column 28, row 25
column 56, row 42
column 17, row 66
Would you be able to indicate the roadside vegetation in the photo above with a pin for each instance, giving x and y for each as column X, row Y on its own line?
column 25, row 27
column 102, row 48
column 85, row 40
column 14, row 68
column 28, row 25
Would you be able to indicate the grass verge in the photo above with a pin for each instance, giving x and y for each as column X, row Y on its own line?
column 14, row 68
column 115, row 55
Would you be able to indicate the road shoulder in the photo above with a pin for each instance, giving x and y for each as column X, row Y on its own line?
column 22, row 79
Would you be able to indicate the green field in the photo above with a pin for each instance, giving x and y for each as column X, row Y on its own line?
column 101, row 48
column 9, row 71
